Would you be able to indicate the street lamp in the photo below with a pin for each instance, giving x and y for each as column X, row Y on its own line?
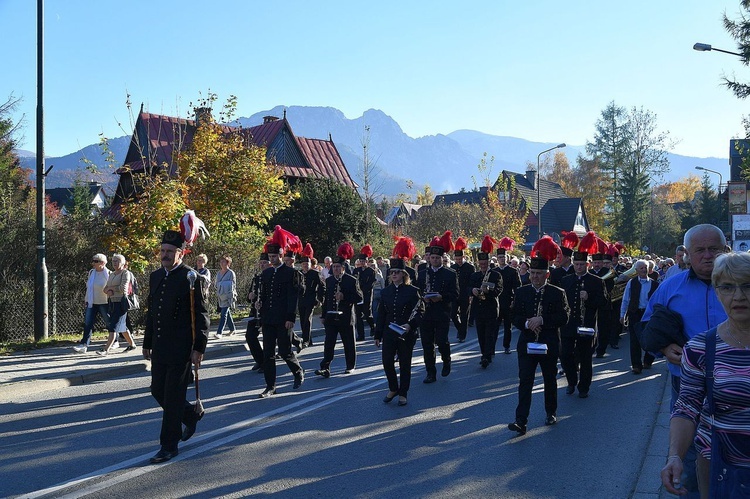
column 538, row 190
column 718, row 217
column 706, row 47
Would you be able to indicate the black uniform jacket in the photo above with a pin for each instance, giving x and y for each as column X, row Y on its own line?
column 464, row 272
column 487, row 308
column 511, row 282
column 314, row 289
column 400, row 304
column 412, row 274
column 280, row 290
column 554, row 310
column 556, row 275
column 352, row 295
column 169, row 325
column 443, row 281
column 366, row 278
column 254, row 288
column 598, row 299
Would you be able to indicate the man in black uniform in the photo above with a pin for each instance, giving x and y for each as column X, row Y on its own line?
column 485, row 285
column 341, row 294
column 170, row 345
column 366, row 278
column 311, row 297
column 511, row 282
column 605, row 320
column 253, row 322
column 460, row 312
column 280, row 290
column 586, row 296
column 439, row 288
column 539, row 310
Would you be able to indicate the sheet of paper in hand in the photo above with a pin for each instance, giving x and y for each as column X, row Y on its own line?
column 586, row 331
column 536, row 348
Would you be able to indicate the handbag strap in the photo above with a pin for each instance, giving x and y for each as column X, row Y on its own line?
column 716, row 457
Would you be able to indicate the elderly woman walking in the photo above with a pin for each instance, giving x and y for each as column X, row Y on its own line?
column 96, row 299
column 118, row 286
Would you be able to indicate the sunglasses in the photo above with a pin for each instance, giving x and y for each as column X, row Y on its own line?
column 96, row 261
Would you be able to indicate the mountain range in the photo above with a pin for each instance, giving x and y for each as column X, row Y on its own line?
column 445, row 162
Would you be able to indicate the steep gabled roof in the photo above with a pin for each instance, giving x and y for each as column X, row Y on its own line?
column 547, row 190
column 467, row 197
column 159, row 138
column 63, row 196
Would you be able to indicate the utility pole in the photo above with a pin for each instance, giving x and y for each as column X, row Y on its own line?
column 41, row 288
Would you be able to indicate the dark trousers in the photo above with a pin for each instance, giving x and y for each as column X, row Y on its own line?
column 435, row 333
column 604, row 331
column 634, row 326
column 527, row 370
column 575, row 353
column 251, row 337
column 364, row 313
column 403, row 346
column 305, row 322
column 616, row 329
column 486, row 328
column 273, row 334
column 460, row 316
column 345, row 330
column 507, row 334
column 169, row 383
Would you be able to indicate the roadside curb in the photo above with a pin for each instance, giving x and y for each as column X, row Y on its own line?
column 649, row 484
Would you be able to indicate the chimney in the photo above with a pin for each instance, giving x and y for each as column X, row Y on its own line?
column 203, row 115
column 531, row 177
column 269, row 119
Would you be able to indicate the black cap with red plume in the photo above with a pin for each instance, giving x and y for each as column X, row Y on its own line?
column 544, row 251
column 345, row 251
column 459, row 247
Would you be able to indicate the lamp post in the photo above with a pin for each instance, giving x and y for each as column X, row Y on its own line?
column 718, row 217
column 706, row 47
column 538, row 190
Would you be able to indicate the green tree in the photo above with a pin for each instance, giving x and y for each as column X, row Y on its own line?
column 325, row 213
column 611, row 147
column 707, row 210
column 740, row 31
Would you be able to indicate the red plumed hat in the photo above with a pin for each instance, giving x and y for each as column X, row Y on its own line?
column 601, row 246
column 404, row 248
column 620, row 247
column 435, row 242
column 307, row 251
column 589, row 243
column 545, row 248
column 283, row 240
column 366, row 250
column 570, row 240
column 345, row 251
column 446, row 241
column 612, row 250
column 488, row 244
column 507, row 244
column 460, row 244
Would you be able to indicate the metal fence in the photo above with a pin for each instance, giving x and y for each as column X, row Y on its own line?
column 66, row 304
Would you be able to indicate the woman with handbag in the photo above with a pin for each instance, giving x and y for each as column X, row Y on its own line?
column 117, row 289
column 714, row 394
column 226, row 293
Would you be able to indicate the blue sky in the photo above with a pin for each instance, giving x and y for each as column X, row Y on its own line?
column 540, row 70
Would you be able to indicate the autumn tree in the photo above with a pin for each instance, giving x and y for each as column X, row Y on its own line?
column 466, row 220
column 679, row 190
column 426, row 196
column 505, row 212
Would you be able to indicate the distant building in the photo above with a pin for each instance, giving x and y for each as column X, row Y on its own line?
column 400, row 215
column 558, row 211
column 157, row 139
column 62, row 197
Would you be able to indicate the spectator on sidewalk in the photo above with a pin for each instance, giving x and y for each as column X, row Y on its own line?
column 205, row 274
column 226, row 292
column 118, row 285
column 95, row 301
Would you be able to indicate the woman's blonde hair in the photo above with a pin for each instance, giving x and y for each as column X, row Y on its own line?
column 733, row 267
column 118, row 258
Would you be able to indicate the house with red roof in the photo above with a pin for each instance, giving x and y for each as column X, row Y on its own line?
column 157, row 139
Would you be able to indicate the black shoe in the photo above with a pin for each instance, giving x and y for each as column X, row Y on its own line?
column 484, row 363
column 387, row 399
column 570, row 390
column 277, row 357
column 163, row 455
column 349, row 370
column 583, row 395
column 430, row 379
column 267, row 393
column 615, row 347
column 600, row 355
column 460, row 340
column 647, row 365
column 637, row 370
column 129, row 348
column 446, row 369
column 323, row 372
column 551, row 419
column 360, row 338
column 517, row 427
column 299, row 378
column 189, row 431
column 402, row 401
column 306, row 344
column 257, row 367
column 507, row 351
column 299, row 348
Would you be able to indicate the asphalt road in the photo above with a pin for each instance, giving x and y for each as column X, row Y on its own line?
column 335, row 437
